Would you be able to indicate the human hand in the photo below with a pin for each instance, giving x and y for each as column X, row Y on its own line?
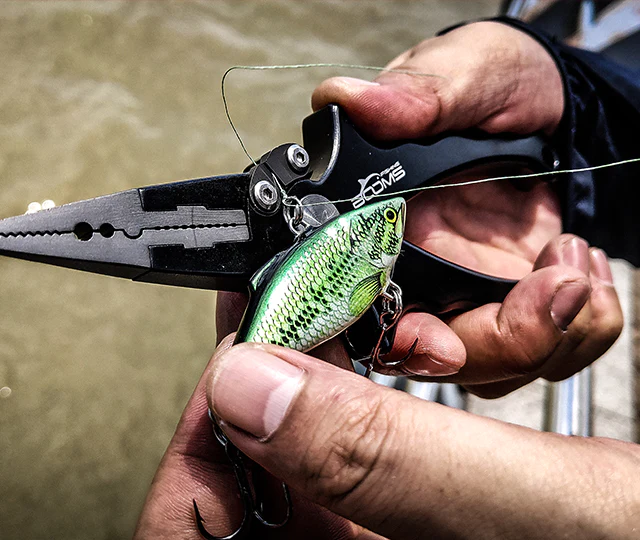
column 363, row 460
column 195, row 467
column 564, row 313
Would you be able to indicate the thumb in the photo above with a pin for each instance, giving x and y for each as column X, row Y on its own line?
column 388, row 461
column 487, row 75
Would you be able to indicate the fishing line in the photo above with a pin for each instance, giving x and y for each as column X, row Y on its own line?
column 304, row 66
column 298, row 204
column 480, row 181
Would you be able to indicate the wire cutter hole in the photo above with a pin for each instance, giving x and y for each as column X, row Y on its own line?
column 107, row 230
column 83, row 231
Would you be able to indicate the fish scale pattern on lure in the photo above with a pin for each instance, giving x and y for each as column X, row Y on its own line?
column 327, row 280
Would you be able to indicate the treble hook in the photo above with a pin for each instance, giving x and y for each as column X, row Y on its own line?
column 389, row 317
column 253, row 508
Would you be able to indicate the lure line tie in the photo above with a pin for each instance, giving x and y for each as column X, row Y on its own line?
column 392, row 307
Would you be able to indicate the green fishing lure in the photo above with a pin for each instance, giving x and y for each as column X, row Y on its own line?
column 327, row 280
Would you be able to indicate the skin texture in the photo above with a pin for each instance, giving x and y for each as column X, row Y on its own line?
column 366, row 462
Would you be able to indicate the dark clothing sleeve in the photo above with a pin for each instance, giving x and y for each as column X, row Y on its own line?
column 599, row 126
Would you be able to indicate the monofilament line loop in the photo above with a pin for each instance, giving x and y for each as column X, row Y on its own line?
column 379, row 69
column 485, row 180
column 303, row 66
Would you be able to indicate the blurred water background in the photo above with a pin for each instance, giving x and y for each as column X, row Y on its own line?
column 97, row 97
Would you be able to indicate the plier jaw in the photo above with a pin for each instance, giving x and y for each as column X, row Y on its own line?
column 199, row 233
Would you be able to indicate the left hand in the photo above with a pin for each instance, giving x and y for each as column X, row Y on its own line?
column 363, row 460
column 196, row 467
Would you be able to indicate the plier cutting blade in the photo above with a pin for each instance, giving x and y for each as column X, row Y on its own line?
column 216, row 232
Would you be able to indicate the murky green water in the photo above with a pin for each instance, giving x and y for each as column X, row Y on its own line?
column 104, row 96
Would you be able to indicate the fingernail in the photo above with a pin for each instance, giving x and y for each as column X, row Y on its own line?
column 253, row 390
column 600, row 266
column 352, row 81
column 568, row 302
column 576, row 253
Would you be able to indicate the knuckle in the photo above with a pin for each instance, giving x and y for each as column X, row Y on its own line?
column 420, row 48
column 513, row 337
column 341, row 466
column 612, row 331
column 609, row 328
column 589, row 346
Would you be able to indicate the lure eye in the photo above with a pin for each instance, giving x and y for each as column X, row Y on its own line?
column 390, row 215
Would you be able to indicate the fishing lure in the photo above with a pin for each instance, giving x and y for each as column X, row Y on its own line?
column 308, row 294
column 326, row 281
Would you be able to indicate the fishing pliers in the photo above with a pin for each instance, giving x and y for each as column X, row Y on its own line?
column 215, row 232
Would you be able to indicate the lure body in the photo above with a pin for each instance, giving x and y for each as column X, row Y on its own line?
column 326, row 281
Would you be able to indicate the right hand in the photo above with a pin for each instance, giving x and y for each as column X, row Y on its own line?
column 564, row 313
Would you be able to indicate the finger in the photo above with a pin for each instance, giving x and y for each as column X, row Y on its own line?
column 601, row 317
column 397, row 465
column 316, row 427
column 438, row 351
column 499, row 389
column 334, row 352
column 484, row 74
column 195, row 467
column 606, row 319
column 384, row 111
column 230, row 307
column 543, row 329
column 538, row 318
